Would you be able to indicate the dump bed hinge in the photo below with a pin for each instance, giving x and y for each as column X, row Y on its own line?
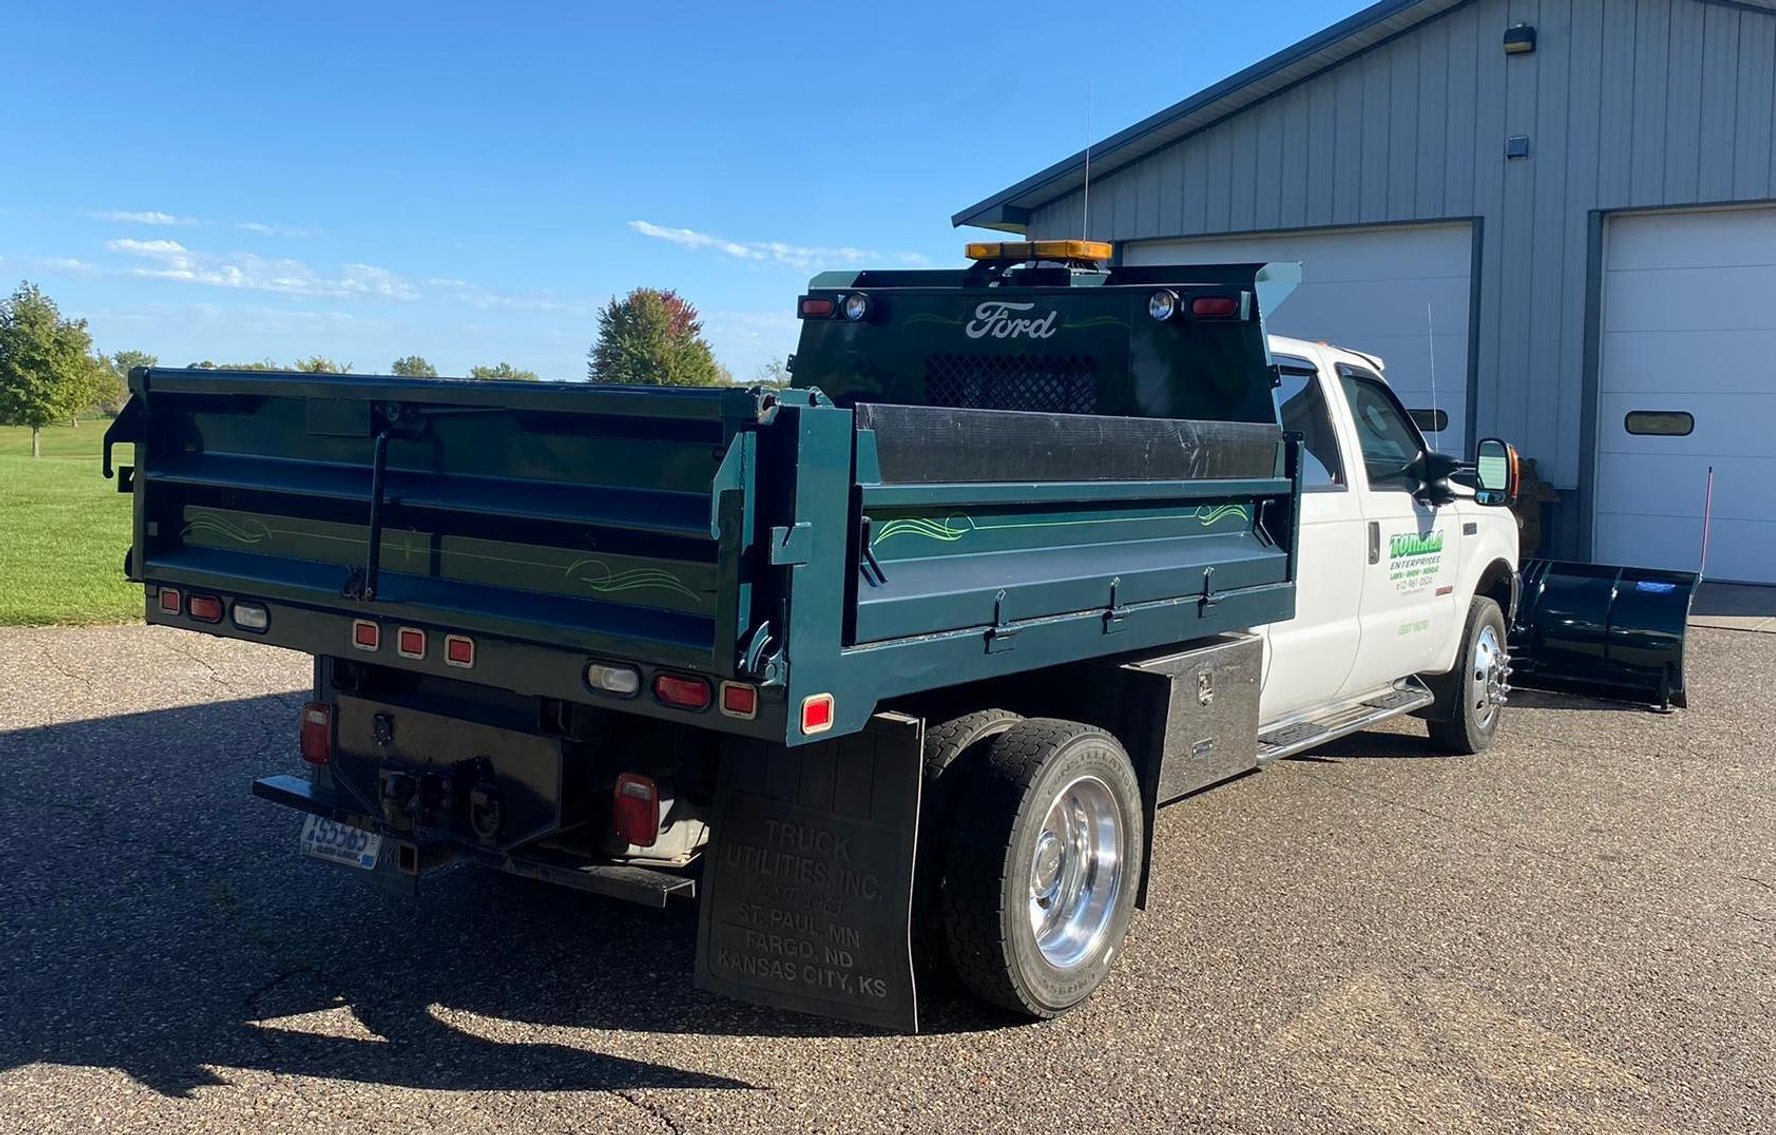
column 792, row 545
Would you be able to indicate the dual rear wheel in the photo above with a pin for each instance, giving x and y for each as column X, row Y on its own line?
column 1039, row 823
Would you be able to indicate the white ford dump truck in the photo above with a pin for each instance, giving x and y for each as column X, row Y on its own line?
column 890, row 670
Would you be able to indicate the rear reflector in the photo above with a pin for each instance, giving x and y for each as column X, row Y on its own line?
column 170, row 602
column 623, row 681
column 410, row 642
column 682, row 690
column 635, row 809
column 205, row 608
column 459, row 650
column 739, row 700
column 250, row 616
column 817, row 714
column 1214, row 306
column 317, row 733
column 366, row 635
column 816, row 308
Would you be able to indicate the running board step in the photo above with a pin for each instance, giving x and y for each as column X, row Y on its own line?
column 1287, row 740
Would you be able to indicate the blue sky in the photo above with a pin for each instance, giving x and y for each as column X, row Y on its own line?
column 239, row 181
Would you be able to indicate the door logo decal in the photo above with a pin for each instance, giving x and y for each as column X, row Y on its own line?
column 1415, row 560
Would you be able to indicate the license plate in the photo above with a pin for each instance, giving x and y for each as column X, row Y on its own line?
column 340, row 843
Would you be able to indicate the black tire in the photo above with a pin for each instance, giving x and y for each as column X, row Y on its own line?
column 950, row 750
column 1462, row 720
column 987, row 891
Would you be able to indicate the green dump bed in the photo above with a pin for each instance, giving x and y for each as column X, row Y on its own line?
column 773, row 539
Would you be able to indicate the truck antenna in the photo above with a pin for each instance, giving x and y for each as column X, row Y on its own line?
column 1431, row 341
column 1086, row 209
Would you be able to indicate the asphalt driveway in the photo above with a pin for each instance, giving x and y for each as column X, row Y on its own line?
column 1575, row 932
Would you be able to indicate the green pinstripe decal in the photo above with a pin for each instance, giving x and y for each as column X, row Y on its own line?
column 958, row 525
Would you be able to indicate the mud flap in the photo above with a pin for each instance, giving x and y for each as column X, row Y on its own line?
column 809, row 880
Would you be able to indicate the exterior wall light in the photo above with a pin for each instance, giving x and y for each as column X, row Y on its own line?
column 1520, row 39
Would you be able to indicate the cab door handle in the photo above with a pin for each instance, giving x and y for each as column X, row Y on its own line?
column 1375, row 541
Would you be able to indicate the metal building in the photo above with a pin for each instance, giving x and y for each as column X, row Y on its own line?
column 1564, row 210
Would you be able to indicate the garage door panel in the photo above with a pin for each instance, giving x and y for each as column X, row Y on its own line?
column 1714, row 239
column 1359, row 311
column 1692, row 299
column 1725, row 426
column 1689, row 323
column 1740, row 361
column 1342, row 256
column 1678, row 486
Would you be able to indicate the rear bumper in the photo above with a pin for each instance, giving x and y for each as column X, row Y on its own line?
column 418, row 852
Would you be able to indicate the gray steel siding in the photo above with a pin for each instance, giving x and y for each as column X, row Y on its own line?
column 1627, row 103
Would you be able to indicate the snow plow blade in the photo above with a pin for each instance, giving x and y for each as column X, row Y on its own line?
column 1608, row 632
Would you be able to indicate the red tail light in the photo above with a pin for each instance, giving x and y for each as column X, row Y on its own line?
column 1214, row 306
column 813, row 308
column 681, row 690
column 317, row 732
column 635, row 809
column 205, row 608
column 459, row 650
column 170, row 603
column 739, row 700
column 817, row 713
column 410, row 642
column 366, row 635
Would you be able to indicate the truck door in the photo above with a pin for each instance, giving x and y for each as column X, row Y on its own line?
column 1408, row 604
column 1308, row 658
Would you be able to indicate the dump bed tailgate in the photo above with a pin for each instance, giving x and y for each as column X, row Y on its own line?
column 601, row 519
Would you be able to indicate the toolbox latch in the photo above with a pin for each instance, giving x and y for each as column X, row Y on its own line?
column 1116, row 615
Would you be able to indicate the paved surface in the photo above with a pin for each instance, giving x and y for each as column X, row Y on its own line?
column 1574, row 933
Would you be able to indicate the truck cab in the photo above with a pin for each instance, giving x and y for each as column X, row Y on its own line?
column 1392, row 556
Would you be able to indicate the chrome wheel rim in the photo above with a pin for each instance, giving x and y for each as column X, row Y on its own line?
column 1487, row 681
column 1076, row 873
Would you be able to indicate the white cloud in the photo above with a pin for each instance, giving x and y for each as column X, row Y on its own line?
column 170, row 260
column 801, row 256
column 156, row 217
column 148, row 217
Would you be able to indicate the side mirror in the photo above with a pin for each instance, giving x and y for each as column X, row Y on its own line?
column 1495, row 469
column 1434, row 472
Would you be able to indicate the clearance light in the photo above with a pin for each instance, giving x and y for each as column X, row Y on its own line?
column 205, row 608
column 459, row 650
column 170, row 602
column 623, row 681
column 739, row 700
column 681, row 690
column 817, row 714
column 250, row 616
column 366, row 635
column 1162, row 305
column 410, row 642
column 815, row 308
column 635, row 809
column 1093, row 251
column 316, row 733
column 1214, row 307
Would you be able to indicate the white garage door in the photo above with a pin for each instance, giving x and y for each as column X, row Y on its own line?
column 1368, row 289
column 1687, row 380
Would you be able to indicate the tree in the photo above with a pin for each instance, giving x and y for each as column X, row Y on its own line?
column 773, row 375
column 652, row 337
column 114, row 382
column 262, row 364
column 503, row 372
column 413, row 366
column 46, row 364
column 320, row 364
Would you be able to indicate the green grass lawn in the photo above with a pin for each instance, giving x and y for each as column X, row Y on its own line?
column 63, row 531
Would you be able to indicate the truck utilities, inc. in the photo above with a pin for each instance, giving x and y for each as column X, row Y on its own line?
column 890, row 670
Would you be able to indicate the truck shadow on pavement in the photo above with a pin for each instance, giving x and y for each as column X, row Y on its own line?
column 157, row 919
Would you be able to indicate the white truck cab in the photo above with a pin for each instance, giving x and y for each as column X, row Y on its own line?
column 1406, row 581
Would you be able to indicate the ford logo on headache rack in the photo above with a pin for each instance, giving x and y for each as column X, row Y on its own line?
column 994, row 318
